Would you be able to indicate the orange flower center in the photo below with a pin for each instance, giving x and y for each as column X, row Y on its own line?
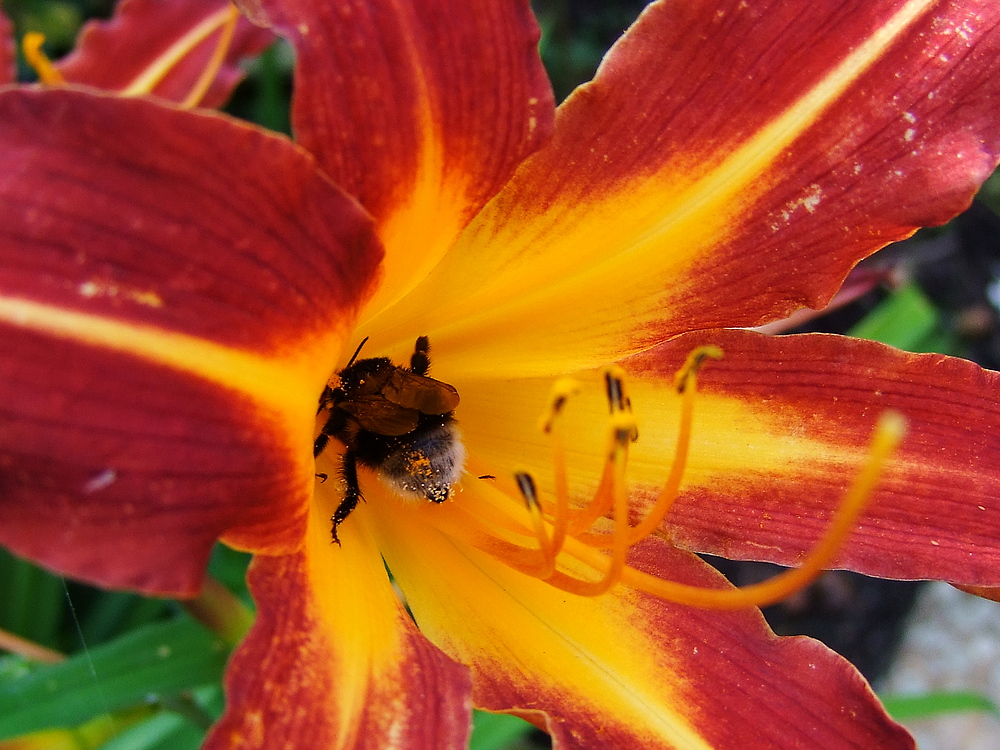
column 559, row 544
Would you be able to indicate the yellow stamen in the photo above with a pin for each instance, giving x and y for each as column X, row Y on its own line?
column 889, row 432
column 31, row 46
column 159, row 68
column 215, row 62
column 561, row 392
column 686, row 375
column 686, row 383
column 600, row 505
column 620, row 408
column 622, row 429
column 563, row 551
column 502, row 541
column 527, row 487
column 619, row 536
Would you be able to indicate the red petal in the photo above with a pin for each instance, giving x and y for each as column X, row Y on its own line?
column 174, row 291
column 861, row 280
column 421, row 109
column 623, row 670
column 198, row 224
column 8, row 51
column 144, row 34
column 783, row 428
column 729, row 164
column 335, row 662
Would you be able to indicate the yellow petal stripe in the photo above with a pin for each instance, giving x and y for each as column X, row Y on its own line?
column 286, row 386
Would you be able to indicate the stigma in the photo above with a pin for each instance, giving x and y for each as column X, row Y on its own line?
column 584, row 549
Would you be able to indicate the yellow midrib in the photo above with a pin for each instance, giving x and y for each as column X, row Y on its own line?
column 711, row 194
column 284, row 384
column 753, row 158
column 698, row 213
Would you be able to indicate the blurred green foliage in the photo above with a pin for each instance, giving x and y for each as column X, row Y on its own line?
column 907, row 707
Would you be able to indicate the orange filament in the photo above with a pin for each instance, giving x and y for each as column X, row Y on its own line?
column 527, row 487
column 889, row 433
column 158, row 69
column 686, row 383
column 548, row 540
column 218, row 57
column 31, row 46
column 621, row 412
column 561, row 391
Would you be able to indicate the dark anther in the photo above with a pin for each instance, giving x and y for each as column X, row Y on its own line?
column 526, row 483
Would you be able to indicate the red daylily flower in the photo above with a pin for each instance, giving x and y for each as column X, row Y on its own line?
column 177, row 287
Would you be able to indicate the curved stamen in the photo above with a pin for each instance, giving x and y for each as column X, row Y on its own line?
column 686, row 383
column 34, row 55
column 889, row 433
column 611, row 494
column 215, row 62
column 526, row 485
column 566, row 555
column 549, row 424
column 619, row 536
column 158, row 69
column 599, row 506
column 602, row 503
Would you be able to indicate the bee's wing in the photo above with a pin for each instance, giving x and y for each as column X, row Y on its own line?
column 375, row 414
column 419, row 392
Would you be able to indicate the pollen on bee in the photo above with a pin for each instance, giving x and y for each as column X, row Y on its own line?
column 429, row 466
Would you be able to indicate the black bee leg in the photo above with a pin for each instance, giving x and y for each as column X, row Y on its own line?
column 348, row 504
column 420, row 360
column 321, row 440
column 334, row 426
column 351, row 497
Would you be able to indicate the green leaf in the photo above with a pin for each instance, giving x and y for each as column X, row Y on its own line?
column 229, row 567
column 902, row 707
column 108, row 613
column 496, row 731
column 157, row 660
column 31, row 600
column 906, row 320
column 165, row 731
column 171, row 730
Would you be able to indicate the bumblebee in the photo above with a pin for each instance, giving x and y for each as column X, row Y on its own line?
column 396, row 421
